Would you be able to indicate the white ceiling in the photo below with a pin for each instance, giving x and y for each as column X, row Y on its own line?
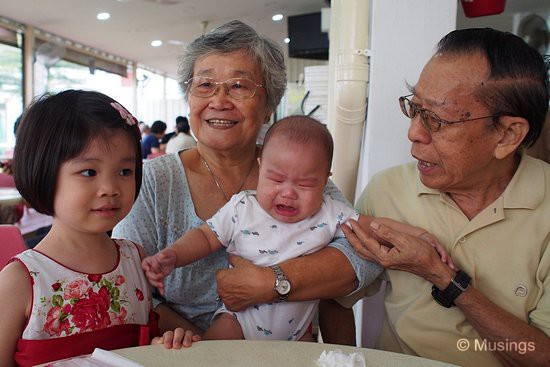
column 135, row 23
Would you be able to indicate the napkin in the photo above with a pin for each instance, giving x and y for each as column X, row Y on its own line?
column 99, row 358
column 112, row 359
column 337, row 358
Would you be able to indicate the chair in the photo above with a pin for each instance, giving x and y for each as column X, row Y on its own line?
column 6, row 180
column 11, row 243
column 155, row 155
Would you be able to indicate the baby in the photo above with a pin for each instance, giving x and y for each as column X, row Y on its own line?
column 287, row 216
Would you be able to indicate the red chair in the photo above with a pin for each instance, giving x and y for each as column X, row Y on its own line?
column 155, row 155
column 11, row 243
column 6, row 180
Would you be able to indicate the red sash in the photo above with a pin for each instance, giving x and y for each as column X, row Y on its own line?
column 34, row 352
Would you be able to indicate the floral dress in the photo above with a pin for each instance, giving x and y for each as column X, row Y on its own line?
column 73, row 312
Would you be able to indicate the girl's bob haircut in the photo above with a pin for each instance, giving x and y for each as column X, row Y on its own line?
column 56, row 128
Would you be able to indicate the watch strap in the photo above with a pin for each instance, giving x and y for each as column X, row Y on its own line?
column 459, row 283
column 279, row 277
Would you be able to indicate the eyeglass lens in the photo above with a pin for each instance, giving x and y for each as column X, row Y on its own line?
column 410, row 110
column 238, row 88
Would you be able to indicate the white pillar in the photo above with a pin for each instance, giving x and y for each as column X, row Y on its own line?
column 348, row 69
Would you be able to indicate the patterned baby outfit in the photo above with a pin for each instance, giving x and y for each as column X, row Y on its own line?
column 247, row 230
column 72, row 312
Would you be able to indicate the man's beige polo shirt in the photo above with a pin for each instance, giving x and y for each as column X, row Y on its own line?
column 504, row 249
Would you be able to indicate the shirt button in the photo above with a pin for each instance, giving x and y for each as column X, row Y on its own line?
column 462, row 240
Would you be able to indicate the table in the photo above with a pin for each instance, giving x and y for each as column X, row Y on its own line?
column 258, row 353
column 10, row 196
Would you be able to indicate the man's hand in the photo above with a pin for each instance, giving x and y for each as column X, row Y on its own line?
column 157, row 267
column 245, row 284
column 408, row 253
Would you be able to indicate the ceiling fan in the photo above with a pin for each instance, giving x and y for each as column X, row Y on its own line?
column 49, row 53
column 534, row 30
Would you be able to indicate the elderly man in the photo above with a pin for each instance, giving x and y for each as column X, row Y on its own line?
column 480, row 100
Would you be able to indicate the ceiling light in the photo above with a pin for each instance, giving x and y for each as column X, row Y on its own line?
column 103, row 16
column 156, row 43
column 176, row 42
column 277, row 17
column 287, row 40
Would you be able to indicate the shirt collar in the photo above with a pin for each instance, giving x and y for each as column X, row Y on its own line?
column 526, row 189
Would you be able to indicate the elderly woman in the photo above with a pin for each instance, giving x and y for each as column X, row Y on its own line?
column 479, row 101
column 233, row 80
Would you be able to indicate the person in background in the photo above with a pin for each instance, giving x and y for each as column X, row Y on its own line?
column 145, row 130
column 151, row 143
column 233, row 79
column 166, row 138
column 183, row 139
column 21, row 213
column 77, row 158
column 6, row 173
column 479, row 101
column 9, row 214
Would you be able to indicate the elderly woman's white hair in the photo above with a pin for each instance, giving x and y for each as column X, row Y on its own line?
column 235, row 36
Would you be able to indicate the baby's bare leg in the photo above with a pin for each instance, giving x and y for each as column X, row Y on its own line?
column 224, row 326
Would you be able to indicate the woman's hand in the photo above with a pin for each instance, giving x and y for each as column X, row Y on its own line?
column 176, row 339
column 245, row 284
column 409, row 253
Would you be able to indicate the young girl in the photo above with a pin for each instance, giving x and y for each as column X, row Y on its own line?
column 77, row 158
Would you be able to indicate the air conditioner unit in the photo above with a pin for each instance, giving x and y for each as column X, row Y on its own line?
column 534, row 29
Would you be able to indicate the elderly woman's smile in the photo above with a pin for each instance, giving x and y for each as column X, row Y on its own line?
column 219, row 123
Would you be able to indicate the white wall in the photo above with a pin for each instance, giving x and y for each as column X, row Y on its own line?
column 403, row 36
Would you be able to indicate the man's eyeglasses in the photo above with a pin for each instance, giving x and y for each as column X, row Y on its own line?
column 237, row 88
column 429, row 119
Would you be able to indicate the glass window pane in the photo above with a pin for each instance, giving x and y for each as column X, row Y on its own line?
column 159, row 98
column 68, row 75
column 11, row 95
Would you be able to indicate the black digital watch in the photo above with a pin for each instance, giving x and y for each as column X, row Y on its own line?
column 459, row 283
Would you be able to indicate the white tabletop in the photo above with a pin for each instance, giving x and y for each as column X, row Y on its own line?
column 9, row 196
column 254, row 353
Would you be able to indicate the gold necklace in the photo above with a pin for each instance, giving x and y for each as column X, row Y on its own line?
column 216, row 179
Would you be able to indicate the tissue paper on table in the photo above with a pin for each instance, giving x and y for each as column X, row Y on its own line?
column 99, row 358
column 337, row 358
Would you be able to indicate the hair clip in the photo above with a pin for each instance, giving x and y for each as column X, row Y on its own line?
column 127, row 116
